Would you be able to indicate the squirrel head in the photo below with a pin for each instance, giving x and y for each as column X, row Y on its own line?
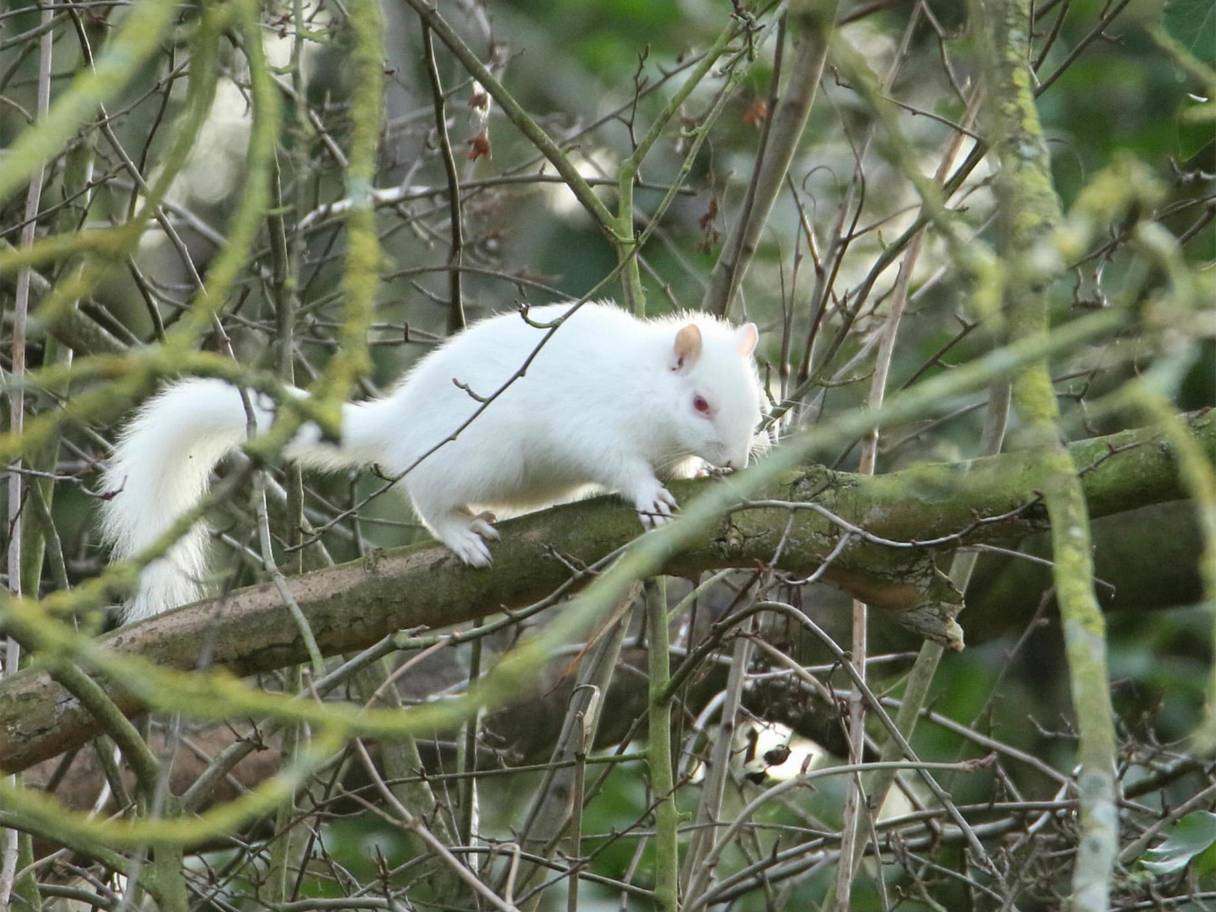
column 718, row 396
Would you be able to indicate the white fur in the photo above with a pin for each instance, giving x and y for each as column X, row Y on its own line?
column 603, row 406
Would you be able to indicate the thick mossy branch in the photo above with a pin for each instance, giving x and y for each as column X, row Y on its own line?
column 1029, row 211
column 355, row 605
column 361, row 277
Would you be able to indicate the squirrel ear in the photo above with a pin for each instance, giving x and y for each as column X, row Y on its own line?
column 746, row 338
column 687, row 348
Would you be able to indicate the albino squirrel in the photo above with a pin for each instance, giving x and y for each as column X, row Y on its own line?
column 609, row 403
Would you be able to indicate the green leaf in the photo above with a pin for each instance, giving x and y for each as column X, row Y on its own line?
column 1205, row 862
column 1193, row 836
column 1192, row 23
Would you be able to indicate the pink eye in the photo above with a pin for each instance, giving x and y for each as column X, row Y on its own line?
column 699, row 403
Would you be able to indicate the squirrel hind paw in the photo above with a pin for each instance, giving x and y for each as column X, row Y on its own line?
column 467, row 540
column 470, row 548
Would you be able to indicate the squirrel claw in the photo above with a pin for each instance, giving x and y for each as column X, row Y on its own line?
column 655, row 508
column 481, row 525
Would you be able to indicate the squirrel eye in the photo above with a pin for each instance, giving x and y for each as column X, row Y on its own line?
column 699, row 403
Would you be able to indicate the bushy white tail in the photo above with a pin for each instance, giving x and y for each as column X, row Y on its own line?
column 161, row 469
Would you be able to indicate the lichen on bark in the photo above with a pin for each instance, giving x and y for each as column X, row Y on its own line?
column 1029, row 212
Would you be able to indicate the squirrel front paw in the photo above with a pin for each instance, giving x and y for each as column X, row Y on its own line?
column 655, row 506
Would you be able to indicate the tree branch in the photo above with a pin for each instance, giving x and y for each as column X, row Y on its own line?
column 357, row 604
column 1030, row 210
column 812, row 22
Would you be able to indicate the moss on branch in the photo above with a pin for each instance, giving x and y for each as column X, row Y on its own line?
column 1029, row 211
column 354, row 605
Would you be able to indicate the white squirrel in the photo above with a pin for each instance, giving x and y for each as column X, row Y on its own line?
column 609, row 403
